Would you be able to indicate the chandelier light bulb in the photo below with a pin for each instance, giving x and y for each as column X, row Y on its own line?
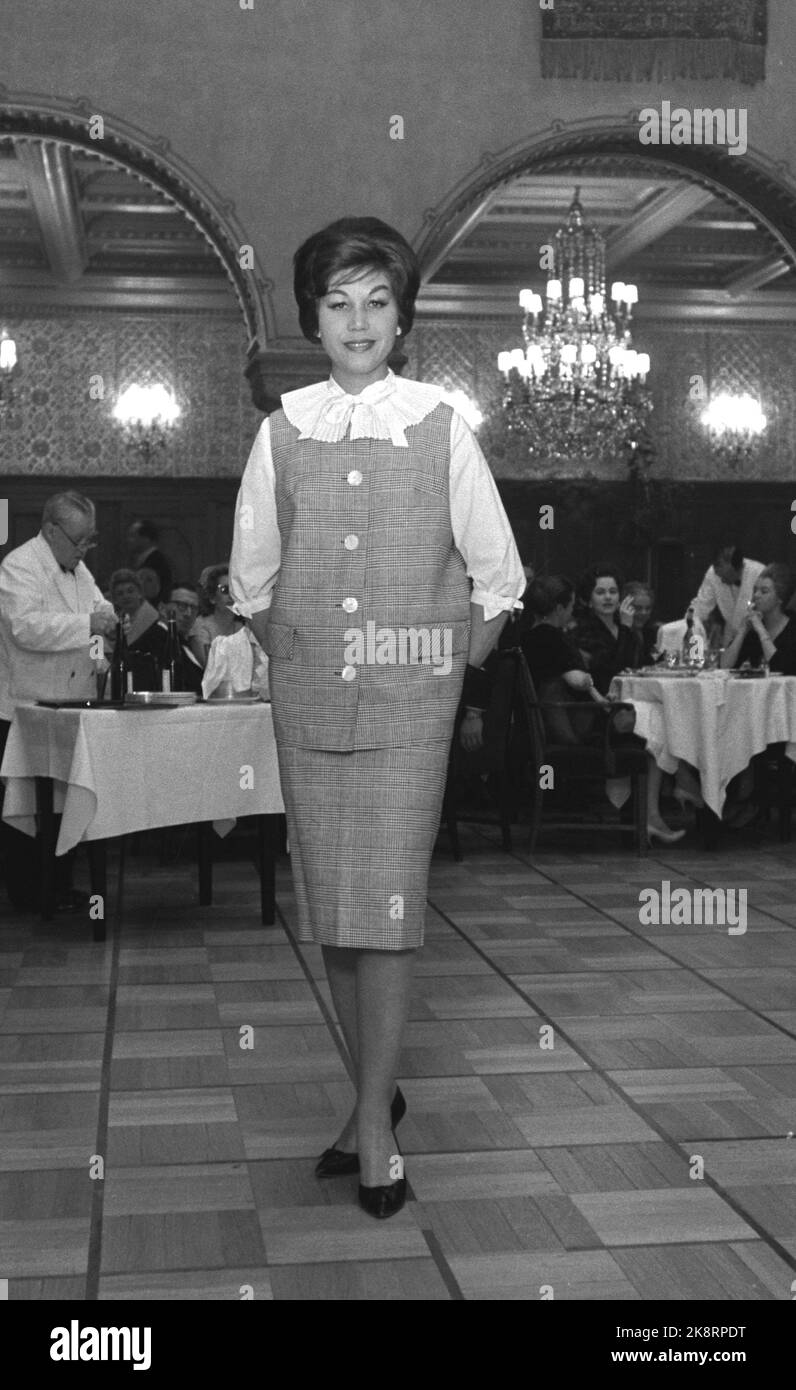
column 8, row 352
column 536, row 361
column 554, row 289
column 526, row 300
column 631, row 294
column 588, row 354
column 643, row 365
column 569, row 354
column 504, row 362
column 577, row 288
column 517, row 357
column 596, row 304
column 618, row 291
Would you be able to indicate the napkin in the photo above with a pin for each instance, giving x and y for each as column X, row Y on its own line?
column 230, row 659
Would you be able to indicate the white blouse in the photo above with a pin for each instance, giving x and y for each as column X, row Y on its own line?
column 382, row 410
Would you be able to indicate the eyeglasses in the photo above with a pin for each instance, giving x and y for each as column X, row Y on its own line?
column 222, row 588
column 88, row 543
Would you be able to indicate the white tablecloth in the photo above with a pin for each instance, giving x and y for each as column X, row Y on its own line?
column 713, row 721
column 118, row 771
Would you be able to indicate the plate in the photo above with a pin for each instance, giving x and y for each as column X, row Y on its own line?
column 80, row 704
column 235, row 700
column 159, row 699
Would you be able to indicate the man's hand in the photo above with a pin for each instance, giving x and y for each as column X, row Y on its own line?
column 102, row 622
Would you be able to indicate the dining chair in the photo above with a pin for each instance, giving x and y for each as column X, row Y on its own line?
column 482, row 787
column 562, row 765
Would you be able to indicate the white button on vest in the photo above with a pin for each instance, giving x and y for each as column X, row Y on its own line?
column 355, row 477
column 349, row 672
column 350, row 605
column 351, row 542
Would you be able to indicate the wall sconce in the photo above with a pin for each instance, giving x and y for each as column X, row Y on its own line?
column 8, row 366
column 734, row 425
column 147, row 415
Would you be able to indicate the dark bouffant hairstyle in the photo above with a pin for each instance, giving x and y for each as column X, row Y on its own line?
column 354, row 244
column 544, row 595
column 587, row 581
column 781, row 577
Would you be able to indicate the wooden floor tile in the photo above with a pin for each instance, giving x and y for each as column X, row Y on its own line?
column 320, row 1235
column 587, row 1276
column 415, row 1280
column 175, row 1240
column 37, row 1248
column 663, row 1217
column 189, row 1285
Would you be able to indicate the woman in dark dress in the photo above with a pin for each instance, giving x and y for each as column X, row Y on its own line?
column 605, row 631
column 768, row 634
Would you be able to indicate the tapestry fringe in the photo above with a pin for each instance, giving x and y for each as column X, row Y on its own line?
column 653, row 60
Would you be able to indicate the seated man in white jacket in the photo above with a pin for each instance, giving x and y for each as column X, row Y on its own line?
column 727, row 586
column 50, row 608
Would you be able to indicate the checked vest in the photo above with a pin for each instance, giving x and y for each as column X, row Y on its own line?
column 367, row 547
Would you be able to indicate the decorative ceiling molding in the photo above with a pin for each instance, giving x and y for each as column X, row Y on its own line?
column 667, row 211
column 763, row 189
column 151, row 158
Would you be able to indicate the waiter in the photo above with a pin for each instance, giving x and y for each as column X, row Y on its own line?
column 727, row 586
column 50, row 608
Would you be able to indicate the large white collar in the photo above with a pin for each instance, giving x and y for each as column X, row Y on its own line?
column 382, row 411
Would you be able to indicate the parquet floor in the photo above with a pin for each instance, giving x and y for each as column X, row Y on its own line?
column 568, row 1071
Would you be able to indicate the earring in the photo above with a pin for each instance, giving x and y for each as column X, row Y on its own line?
column 398, row 332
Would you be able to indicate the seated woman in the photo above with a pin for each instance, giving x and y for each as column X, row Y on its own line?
column 643, row 600
column 218, row 620
column 605, row 631
column 557, row 671
column 146, row 637
column 557, row 668
column 767, row 633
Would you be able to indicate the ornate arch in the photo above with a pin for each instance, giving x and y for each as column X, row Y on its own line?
column 49, row 118
column 765, row 189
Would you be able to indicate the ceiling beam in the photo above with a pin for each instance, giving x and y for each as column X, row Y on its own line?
column 30, row 290
column 50, row 180
column 499, row 302
column 665, row 211
column 761, row 273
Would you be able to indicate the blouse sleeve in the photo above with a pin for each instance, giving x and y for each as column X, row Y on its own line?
column 481, row 528
column 256, row 546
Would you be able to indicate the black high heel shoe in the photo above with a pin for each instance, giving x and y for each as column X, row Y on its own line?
column 337, row 1163
column 388, row 1199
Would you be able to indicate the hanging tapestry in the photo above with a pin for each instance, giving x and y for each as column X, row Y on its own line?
column 655, row 40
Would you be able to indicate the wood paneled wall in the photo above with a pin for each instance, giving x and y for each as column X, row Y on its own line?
column 195, row 516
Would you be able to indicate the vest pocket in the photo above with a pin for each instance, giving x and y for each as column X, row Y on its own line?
column 280, row 641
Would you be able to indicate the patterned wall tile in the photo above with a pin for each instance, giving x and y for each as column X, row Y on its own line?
column 59, row 428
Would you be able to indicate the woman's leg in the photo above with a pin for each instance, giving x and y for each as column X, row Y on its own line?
column 384, row 983
column 654, row 782
column 341, row 972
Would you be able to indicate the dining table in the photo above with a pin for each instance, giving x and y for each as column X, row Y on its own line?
column 110, row 772
column 716, row 720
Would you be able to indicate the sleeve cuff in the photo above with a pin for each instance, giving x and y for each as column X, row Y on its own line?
column 494, row 603
column 249, row 610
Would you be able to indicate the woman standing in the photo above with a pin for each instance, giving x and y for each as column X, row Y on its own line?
column 366, row 514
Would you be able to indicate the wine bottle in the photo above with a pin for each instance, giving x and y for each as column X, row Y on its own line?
column 121, row 675
column 171, row 675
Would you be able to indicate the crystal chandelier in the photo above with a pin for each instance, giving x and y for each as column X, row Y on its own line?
column 576, row 392
column 147, row 414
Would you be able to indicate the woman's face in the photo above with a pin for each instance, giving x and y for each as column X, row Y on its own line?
column 765, row 597
column 358, row 321
column 605, row 596
column 642, row 608
column 222, row 598
column 127, row 597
